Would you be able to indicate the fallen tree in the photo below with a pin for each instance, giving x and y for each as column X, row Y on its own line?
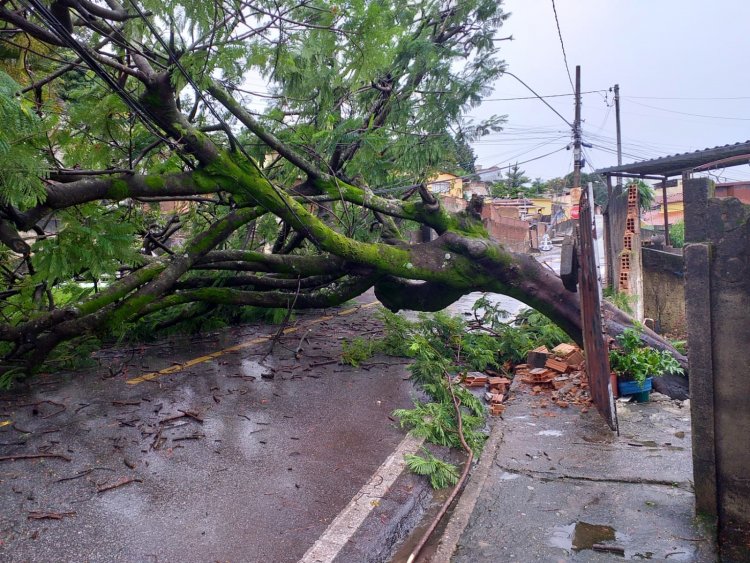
column 308, row 203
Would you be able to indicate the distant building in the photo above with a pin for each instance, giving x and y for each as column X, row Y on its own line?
column 447, row 184
column 740, row 190
column 475, row 187
column 654, row 217
column 489, row 175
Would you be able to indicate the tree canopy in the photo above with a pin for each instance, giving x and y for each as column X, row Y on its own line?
column 292, row 140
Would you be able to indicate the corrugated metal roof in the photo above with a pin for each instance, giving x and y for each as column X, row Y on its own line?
column 676, row 164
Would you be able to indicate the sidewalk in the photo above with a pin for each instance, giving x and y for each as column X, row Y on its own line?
column 556, row 485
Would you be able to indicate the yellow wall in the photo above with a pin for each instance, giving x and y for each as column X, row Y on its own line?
column 543, row 203
column 456, row 184
column 675, row 206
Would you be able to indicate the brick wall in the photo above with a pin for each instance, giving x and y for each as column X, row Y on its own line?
column 509, row 231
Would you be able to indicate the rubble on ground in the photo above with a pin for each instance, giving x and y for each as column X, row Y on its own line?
column 558, row 376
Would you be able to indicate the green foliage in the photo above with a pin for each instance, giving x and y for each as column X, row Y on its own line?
column 384, row 47
column 397, row 332
column 637, row 362
column 443, row 346
column 354, row 352
column 539, row 329
column 436, row 422
column 9, row 376
column 21, row 167
column 441, row 474
column 680, row 346
column 93, row 240
column 558, row 186
column 619, row 299
column 677, row 234
column 195, row 319
column 513, row 185
column 74, row 354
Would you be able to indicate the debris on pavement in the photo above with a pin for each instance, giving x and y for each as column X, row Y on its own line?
column 562, row 380
column 558, row 374
column 39, row 515
column 119, row 483
column 496, row 388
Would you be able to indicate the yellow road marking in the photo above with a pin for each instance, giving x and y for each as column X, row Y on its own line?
column 208, row 357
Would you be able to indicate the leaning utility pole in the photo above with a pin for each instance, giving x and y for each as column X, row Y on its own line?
column 577, row 133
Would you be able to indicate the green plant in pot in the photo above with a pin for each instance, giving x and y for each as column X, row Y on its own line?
column 636, row 364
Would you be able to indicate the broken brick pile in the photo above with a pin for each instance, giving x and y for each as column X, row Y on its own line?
column 562, row 370
column 496, row 388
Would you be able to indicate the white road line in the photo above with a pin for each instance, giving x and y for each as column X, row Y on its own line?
column 350, row 519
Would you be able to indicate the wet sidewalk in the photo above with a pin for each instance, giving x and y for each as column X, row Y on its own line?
column 556, row 485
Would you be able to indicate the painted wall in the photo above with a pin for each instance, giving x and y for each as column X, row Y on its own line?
column 447, row 184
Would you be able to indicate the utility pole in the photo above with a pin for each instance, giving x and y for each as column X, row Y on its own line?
column 607, row 240
column 577, row 133
column 619, row 133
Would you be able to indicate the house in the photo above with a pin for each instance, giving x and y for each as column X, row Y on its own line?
column 740, row 190
column 654, row 218
column 488, row 175
column 447, row 184
column 475, row 187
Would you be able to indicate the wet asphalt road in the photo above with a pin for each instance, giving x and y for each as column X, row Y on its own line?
column 254, row 471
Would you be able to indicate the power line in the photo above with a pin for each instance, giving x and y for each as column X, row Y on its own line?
column 687, row 98
column 692, row 114
column 541, row 98
column 535, row 97
column 562, row 44
column 66, row 37
column 199, row 93
column 469, row 176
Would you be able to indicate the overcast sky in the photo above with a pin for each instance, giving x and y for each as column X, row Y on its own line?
column 677, row 63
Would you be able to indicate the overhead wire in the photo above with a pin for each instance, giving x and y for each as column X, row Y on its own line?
column 199, row 92
column 722, row 117
column 686, row 98
column 541, row 96
column 562, row 45
column 469, row 176
column 66, row 37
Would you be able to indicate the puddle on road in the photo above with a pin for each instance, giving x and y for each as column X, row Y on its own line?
column 253, row 368
column 580, row 536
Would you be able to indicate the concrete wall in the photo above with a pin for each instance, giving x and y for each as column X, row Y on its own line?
column 664, row 291
column 717, row 277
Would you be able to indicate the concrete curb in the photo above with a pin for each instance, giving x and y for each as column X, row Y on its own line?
column 467, row 501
